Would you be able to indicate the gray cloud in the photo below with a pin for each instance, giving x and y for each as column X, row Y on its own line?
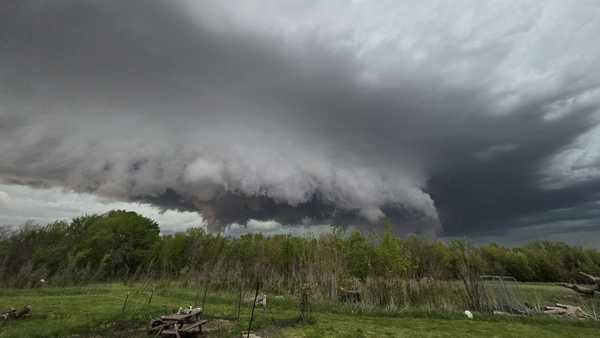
column 472, row 116
column 22, row 204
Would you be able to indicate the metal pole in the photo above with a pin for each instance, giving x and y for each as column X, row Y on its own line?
column 253, row 306
column 239, row 304
column 151, row 294
column 205, row 291
column 125, row 303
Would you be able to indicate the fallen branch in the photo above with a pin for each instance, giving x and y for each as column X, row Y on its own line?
column 589, row 292
column 579, row 289
column 594, row 279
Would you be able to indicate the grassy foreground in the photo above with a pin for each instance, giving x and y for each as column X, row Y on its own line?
column 97, row 311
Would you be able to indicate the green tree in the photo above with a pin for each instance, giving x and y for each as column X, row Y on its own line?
column 122, row 240
column 391, row 256
column 358, row 252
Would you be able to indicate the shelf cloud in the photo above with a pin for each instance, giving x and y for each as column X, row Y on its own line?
column 442, row 117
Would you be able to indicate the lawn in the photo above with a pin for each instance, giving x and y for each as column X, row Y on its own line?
column 99, row 311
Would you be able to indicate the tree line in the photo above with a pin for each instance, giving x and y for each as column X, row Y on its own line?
column 122, row 245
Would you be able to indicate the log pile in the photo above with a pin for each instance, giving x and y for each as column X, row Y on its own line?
column 585, row 291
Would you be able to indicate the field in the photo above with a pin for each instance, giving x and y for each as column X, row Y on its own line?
column 100, row 311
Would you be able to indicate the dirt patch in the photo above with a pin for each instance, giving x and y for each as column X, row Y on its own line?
column 271, row 332
column 115, row 329
column 125, row 329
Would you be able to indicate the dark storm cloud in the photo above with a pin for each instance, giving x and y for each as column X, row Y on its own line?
column 468, row 116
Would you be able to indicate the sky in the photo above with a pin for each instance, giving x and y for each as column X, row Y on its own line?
column 449, row 119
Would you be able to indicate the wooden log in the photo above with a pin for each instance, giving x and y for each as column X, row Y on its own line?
column 579, row 289
column 180, row 317
column 589, row 292
column 193, row 327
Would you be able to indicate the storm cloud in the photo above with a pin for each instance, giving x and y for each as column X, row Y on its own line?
column 463, row 116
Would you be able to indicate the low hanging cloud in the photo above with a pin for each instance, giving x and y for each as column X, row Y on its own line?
column 429, row 114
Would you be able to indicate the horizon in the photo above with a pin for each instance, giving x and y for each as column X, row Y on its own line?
column 272, row 228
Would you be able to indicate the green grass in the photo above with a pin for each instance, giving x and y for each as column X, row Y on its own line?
column 96, row 310
column 328, row 325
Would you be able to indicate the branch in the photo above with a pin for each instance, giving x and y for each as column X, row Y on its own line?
column 590, row 277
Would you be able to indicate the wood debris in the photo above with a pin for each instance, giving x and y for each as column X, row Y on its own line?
column 566, row 310
column 589, row 292
column 16, row 314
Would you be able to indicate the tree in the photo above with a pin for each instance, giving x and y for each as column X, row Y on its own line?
column 358, row 251
column 390, row 255
column 122, row 240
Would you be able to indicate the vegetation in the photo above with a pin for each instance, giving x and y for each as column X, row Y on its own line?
column 121, row 245
column 408, row 287
column 98, row 311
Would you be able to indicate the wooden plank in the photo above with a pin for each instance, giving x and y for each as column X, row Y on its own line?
column 161, row 326
column 192, row 326
column 183, row 316
column 170, row 333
